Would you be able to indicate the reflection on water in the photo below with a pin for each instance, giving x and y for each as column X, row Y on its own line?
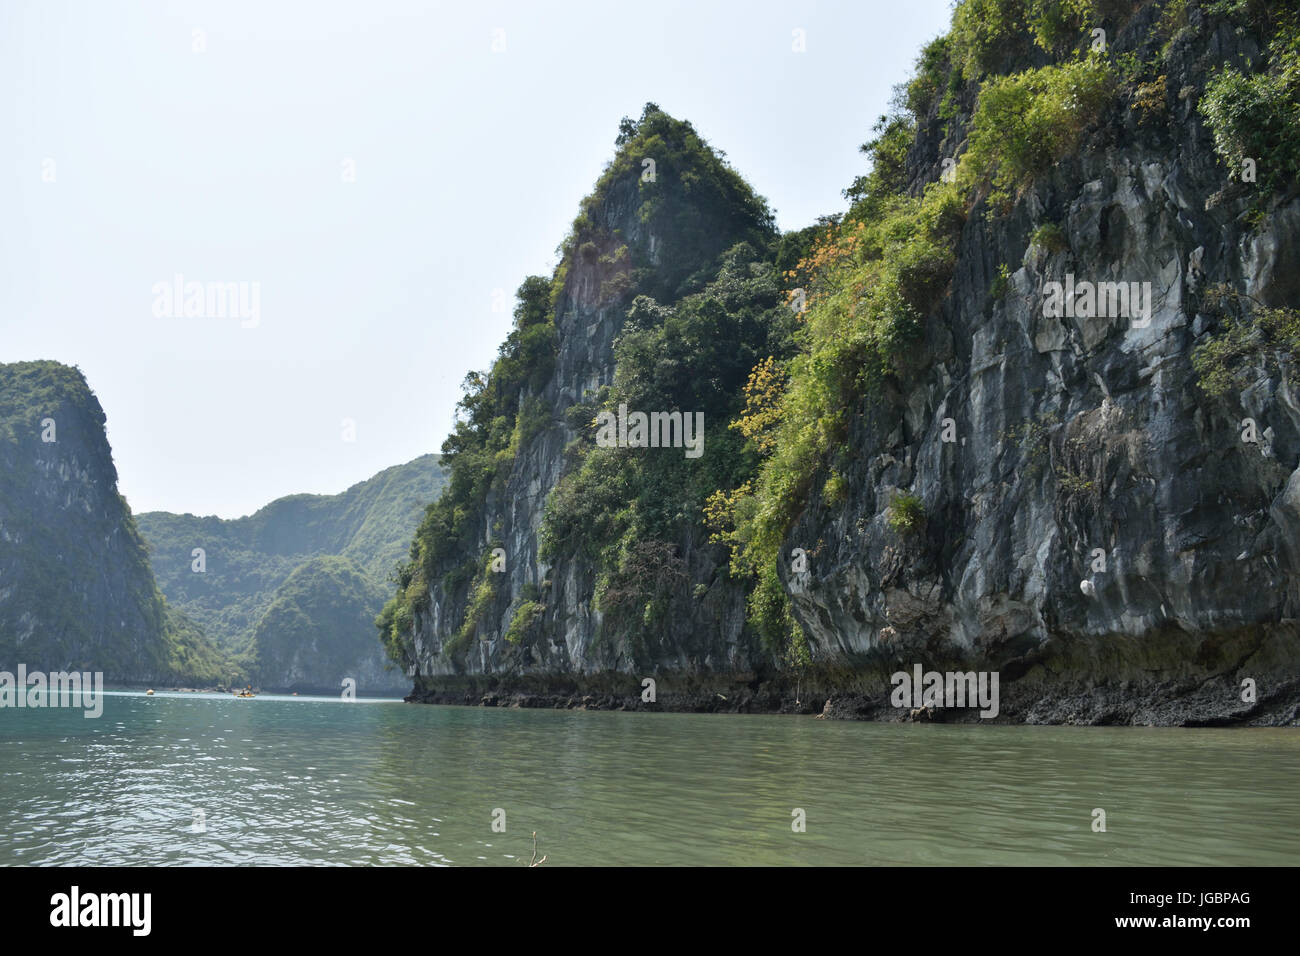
column 316, row 781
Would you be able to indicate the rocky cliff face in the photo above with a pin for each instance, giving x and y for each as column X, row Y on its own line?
column 76, row 591
column 1120, row 546
column 1098, row 530
column 618, row 251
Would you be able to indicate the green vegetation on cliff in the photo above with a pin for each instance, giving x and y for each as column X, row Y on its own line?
column 76, row 590
column 192, row 657
column 702, row 298
column 1255, row 115
column 1039, row 79
column 627, row 508
column 1250, row 336
column 498, row 414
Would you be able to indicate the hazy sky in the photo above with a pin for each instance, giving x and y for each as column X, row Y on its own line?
column 216, row 141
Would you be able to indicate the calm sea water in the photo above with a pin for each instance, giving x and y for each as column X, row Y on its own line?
column 323, row 781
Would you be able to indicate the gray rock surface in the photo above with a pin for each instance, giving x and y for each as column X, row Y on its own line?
column 1079, row 441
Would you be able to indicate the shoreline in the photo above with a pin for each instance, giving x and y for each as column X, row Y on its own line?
column 1098, row 709
column 1246, row 677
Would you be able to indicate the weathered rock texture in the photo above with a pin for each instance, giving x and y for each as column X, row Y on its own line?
column 1077, row 441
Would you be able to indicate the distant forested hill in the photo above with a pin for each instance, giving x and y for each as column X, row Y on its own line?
column 292, row 590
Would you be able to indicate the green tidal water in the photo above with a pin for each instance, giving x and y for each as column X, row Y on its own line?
column 322, row 781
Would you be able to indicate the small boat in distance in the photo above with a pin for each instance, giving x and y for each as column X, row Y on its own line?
column 246, row 692
column 149, row 692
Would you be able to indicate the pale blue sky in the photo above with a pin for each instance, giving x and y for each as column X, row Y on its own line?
column 376, row 296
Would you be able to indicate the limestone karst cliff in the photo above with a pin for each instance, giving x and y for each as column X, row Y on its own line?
column 932, row 461
column 76, row 591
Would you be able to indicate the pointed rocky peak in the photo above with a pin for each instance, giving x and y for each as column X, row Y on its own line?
column 665, row 208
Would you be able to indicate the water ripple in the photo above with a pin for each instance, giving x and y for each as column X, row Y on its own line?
column 306, row 781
